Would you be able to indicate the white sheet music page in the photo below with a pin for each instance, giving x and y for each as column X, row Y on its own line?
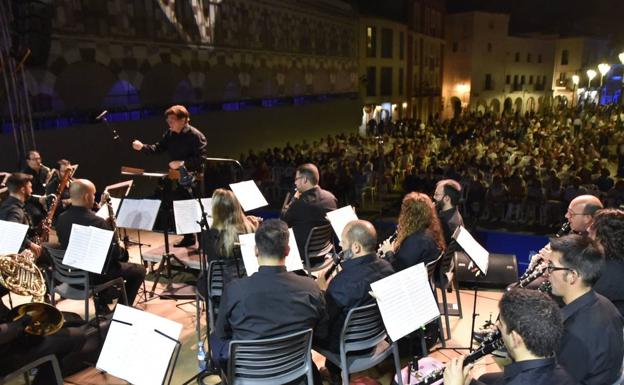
column 11, row 236
column 187, row 215
column 103, row 211
column 88, row 247
column 479, row 255
column 138, row 214
column 249, row 195
column 248, row 244
column 134, row 350
column 340, row 217
column 405, row 301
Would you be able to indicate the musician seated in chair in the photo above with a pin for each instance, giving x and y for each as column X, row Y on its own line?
column 228, row 222
column 18, row 349
column 419, row 234
column 531, row 326
column 82, row 195
column 350, row 287
column 53, row 185
column 591, row 348
column 269, row 303
column 12, row 209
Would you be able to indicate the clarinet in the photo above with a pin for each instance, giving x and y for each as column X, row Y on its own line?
column 540, row 266
column 491, row 342
column 390, row 239
column 111, row 212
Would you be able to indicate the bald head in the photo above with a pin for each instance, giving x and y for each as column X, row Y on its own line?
column 360, row 235
column 580, row 212
column 82, row 193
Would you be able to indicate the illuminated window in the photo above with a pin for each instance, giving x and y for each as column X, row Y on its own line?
column 371, row 42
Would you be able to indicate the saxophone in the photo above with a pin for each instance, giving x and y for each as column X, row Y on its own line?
column 20, row 275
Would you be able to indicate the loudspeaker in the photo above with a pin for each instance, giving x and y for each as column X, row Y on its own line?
column 502, row 271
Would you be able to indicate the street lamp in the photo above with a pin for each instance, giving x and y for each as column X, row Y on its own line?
column 603, row 68
column 590, row 75
column 575, row 81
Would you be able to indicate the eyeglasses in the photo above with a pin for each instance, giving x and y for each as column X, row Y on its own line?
column 299, row 177
column 551, row 267
column 570, row 212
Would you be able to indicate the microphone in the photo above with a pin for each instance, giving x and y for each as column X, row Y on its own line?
column 102, row 115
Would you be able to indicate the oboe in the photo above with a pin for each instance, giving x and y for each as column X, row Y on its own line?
column 491, row 342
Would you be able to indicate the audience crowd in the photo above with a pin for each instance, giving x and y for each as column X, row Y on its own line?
column 515, row 169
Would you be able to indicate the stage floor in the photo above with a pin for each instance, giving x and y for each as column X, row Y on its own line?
column 184, row 312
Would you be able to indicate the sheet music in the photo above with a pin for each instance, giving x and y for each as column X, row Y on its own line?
column 339, row 218
column 103, row 211
column 138, row 214
column 249, row 195
column 479, row 255
column 134, row 350
column 12, row 236
column 88, row 247
column 248, row 244
column 405, row 301
column 187, row 214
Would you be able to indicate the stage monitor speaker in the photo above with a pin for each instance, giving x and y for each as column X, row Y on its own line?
column 502, row 271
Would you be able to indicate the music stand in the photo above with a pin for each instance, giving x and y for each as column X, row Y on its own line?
column 479, row 263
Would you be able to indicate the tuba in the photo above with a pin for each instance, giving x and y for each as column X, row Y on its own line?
column 20, row 275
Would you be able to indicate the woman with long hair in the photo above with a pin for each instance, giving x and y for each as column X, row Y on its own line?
column 419, row 233
column 607, row 228
column 229, row 221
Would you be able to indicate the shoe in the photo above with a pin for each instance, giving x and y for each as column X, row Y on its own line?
column 187, row 241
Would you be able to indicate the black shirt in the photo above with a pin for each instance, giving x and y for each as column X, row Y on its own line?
column 189, row 145
column 13, row 210
column 270, row 303
column 85, row 217
column 591, row 348
column 349, row 289
column 611, row 283
column 39, row 179
column 418, row 247
column 450, row 220
column 309, row 211
column 543, row 371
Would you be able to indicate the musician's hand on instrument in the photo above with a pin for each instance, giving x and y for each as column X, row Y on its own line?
column 36, row 249
column 455, row 372
column 137, row 145
column 175, row 164
column 386, row 246
column 297, row 194
column 66, row 202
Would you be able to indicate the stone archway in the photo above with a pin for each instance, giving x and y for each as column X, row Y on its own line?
column 495, row 106
column 518, row 105
column 508, row 105
column 530, row 104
